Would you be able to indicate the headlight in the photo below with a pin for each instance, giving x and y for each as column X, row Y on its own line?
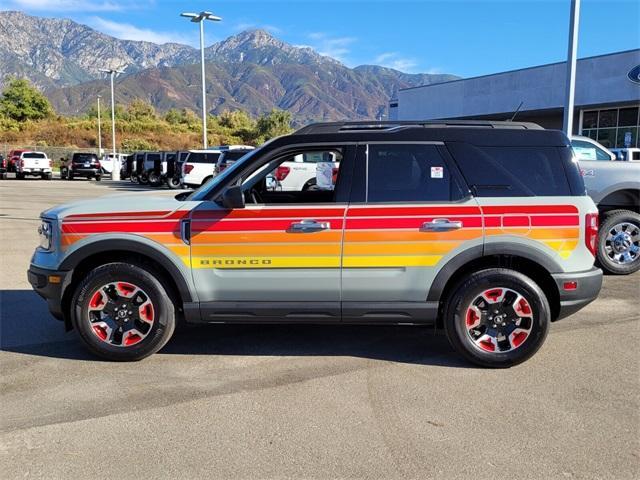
column 45, row 231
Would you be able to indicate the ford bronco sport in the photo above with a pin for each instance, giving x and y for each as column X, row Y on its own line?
column 482, row 228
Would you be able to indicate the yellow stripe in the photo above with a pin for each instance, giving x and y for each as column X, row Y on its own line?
column 225, row 263
column 391, row 261
column 391, row 249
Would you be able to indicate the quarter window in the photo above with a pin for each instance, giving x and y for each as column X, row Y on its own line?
column 409, row 173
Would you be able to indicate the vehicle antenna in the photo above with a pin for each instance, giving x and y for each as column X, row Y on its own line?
column 516, row 112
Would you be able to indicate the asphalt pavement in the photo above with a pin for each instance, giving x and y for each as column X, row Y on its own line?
column 306, row 402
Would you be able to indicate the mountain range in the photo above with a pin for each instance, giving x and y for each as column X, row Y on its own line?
column 252, row 70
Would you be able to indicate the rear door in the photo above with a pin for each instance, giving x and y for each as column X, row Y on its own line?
column 409, row 214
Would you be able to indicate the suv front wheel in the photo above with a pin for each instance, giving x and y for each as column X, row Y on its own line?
column 122, row 312
column 497, row 318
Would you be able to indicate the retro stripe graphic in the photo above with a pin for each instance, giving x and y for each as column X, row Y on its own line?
column 359, row 237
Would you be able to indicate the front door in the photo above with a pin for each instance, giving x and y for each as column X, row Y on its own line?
column 409, row 215
column 278, row 258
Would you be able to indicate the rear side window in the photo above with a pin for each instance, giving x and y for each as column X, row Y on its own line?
column 588, row 151
column 202, row 157
column 233, row 155
column 514, row 171
column 152, row 157
column 409, row 173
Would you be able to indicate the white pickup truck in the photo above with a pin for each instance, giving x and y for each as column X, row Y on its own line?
column 614, row 186
column 36, row 164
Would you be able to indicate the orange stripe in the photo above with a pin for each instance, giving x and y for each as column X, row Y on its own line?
column 410, row 236
column 291, row 250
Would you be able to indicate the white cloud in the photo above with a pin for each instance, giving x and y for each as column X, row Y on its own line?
column 395, row 61
column 66, row 5
column 336, row 47
column 126, row 31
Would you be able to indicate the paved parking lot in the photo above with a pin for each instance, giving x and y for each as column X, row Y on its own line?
column 307, row 402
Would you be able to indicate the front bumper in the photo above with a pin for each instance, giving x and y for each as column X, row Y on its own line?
column 587, row 288
column 50, row 285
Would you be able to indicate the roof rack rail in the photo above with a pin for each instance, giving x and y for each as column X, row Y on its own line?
column 388, row 126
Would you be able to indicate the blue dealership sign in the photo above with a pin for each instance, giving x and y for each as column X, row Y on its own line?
column 634, row 74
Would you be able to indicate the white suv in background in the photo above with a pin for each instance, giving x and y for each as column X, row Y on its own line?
column 199, row 167
column 36, row 164
column 302, row 172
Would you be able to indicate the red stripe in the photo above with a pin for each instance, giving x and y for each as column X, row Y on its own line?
column 268, row 213
column 555, row 220
column 254, row 225
column 530, row 209
column 391, row 223
column 407, row 211
column 120, row 227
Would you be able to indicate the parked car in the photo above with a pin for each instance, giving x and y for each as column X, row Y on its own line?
column 482, row 228
column 627, row 154
column 228, row 158
column 35, row 164
column 3, row 167
column 127, row 167
column 586, row 148
column 199, row 167
column 174, row 169
column 81, row 164
column 12, row 159
column 109, row 162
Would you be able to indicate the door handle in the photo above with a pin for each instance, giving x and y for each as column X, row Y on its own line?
column 309, row 226
column 440, row 225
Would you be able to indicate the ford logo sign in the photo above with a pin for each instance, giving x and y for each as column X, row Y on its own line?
column 634, row 74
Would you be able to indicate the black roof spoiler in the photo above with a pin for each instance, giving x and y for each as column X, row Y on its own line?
column 389, row 126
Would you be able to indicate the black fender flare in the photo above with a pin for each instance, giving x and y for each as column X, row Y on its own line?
column 131, row 246
column 487, row 250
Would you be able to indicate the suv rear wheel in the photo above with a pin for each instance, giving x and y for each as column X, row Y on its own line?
column 497, row 318
column 122, row 312
column 619, row 242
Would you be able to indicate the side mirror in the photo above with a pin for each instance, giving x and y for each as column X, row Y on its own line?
column 233, row 197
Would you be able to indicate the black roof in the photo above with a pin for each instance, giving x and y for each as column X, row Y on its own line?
column 477, row 132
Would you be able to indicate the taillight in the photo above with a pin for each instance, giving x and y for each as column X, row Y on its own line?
column 22, row 163
column 281, row 173
column 591, row 232
column 334, row 175
column 222, row 167
column 188, row 168
column 98, row 165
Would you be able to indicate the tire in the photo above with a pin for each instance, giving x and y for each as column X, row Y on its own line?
column 471, row 300
column 47, row 176
column 20, row 176
column 70, row 176
column 310, row 185
column 143, row 179
column 174, row 183
column 63, row 174
column 111, row 336
column 98, row 178
column 206, row 180
column 155, row 180
column 619, row 242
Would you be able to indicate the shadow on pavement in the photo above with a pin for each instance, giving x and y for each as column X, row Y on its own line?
column 27, row 327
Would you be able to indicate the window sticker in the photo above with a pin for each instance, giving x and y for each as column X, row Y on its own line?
column 437, row 172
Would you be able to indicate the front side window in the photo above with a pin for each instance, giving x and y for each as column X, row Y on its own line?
column 409, row 173
column 588, row 151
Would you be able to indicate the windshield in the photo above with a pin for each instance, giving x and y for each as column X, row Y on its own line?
column 203, row 192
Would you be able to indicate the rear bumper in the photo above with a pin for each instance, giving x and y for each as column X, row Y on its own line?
column 587, row 288
column 86, row 172
column 49, row 284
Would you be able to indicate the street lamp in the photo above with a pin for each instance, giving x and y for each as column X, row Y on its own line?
column 200, row 18
column 99, row 129
column 572, row 54
column 115, row 172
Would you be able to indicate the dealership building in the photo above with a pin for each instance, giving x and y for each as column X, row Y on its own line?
column 607, row 98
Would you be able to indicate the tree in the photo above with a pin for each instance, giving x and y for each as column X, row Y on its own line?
column 21, row 101
column 139, row 109
column 276, row 123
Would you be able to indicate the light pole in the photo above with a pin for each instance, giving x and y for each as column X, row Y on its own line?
column 99, row 129
column 200, row 18
column 574, row 23
column 115, row 172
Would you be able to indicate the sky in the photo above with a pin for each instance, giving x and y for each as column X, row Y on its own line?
column 462, row 37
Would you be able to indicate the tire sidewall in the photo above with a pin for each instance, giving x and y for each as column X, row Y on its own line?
column 467, row 291
column 164, row 321
column 608, row 222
